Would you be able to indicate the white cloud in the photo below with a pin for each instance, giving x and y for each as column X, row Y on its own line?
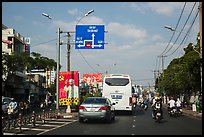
column 165, row 8
column 126, row 30
column 91, row 20
column 74, row 12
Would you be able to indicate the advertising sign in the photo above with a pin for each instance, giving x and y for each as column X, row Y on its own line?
column 89, row 37
column 69, row 88
column 92, row 79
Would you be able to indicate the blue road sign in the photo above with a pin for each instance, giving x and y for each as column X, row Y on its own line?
column 89, row 37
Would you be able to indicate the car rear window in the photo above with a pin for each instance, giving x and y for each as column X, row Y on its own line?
column 95, row 101
column 116, row 81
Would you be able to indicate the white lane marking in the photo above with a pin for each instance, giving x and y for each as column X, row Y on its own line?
column 57, row 127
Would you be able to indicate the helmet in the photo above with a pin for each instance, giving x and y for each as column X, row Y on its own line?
column 157, row 99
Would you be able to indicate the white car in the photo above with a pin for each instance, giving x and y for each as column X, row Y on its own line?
column 5, row 104
column 9, row 103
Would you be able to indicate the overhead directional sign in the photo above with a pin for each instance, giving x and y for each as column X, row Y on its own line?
column 89, row 37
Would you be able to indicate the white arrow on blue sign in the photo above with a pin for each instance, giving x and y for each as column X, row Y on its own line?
column 89, row 37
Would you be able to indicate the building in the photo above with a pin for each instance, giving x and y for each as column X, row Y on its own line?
column 12, row 42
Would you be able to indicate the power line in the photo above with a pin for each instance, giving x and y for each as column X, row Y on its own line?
column 175, row 29
column 85, row 59
column 34, row 45
column 182, row 28
column 87, row 62
column 186, row 34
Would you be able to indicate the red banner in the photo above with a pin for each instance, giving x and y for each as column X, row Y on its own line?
column 92, row 78
column 68, row 87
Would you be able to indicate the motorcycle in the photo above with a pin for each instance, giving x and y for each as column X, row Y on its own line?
column 157, row 110
column 134, row 102
column 172, row 112
column 179, row 111
column 144, row 105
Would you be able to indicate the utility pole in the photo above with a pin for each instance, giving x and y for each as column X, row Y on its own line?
column 162, row 56
column 68, row 51
column 58, row 62
column 200, row 24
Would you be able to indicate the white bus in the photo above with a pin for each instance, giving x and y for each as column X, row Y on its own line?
column 118, row 88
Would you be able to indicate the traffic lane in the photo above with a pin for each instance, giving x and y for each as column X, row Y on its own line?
column 139, row 123
column 95, row 127
column 169, row 126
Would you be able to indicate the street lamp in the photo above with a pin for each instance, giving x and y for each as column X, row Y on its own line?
column 88, row 13
column 170, row 28
column 68, row 41
column 46, row 15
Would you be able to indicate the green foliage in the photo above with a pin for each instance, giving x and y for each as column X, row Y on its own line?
column 182, row 75
column 89, row 95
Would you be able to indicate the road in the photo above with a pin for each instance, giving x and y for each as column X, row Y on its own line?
column 139, row 122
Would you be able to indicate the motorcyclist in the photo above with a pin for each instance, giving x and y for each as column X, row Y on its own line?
column 157, row 99
column 171, row 103
column 178, row 105
column 134, row 100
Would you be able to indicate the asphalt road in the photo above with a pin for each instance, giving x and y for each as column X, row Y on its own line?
column 139, row 122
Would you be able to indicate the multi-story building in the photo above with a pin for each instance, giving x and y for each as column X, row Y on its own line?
column 15, row 84
column 22, row 85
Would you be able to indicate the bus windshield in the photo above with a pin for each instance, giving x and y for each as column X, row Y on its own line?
column 116, row 81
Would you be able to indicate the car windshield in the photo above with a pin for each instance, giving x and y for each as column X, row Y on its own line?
column 95, row 101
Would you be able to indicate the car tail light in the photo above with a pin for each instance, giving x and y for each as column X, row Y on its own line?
column 103, row 108
column 82, row 107
column 130, row 101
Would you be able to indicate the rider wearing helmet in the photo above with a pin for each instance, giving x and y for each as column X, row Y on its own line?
column 156, row 99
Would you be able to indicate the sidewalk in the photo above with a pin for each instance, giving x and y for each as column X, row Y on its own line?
column 188, row 112
column 63, row 114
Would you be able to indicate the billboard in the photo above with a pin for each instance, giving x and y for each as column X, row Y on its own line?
column 92, row 79
column 69, row 88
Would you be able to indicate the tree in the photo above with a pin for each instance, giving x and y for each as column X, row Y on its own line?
column 182, row 75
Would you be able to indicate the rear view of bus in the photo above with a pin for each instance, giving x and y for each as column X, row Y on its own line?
column 118, row 88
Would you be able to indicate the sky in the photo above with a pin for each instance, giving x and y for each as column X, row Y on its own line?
column 135, row 38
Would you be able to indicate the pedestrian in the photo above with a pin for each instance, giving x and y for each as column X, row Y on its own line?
column 21, row 107
column 42, row 105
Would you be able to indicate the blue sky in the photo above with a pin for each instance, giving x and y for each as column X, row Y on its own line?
column 136, row 35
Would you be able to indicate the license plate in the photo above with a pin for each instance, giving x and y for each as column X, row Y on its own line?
column 116, row 96
column 92, row 109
